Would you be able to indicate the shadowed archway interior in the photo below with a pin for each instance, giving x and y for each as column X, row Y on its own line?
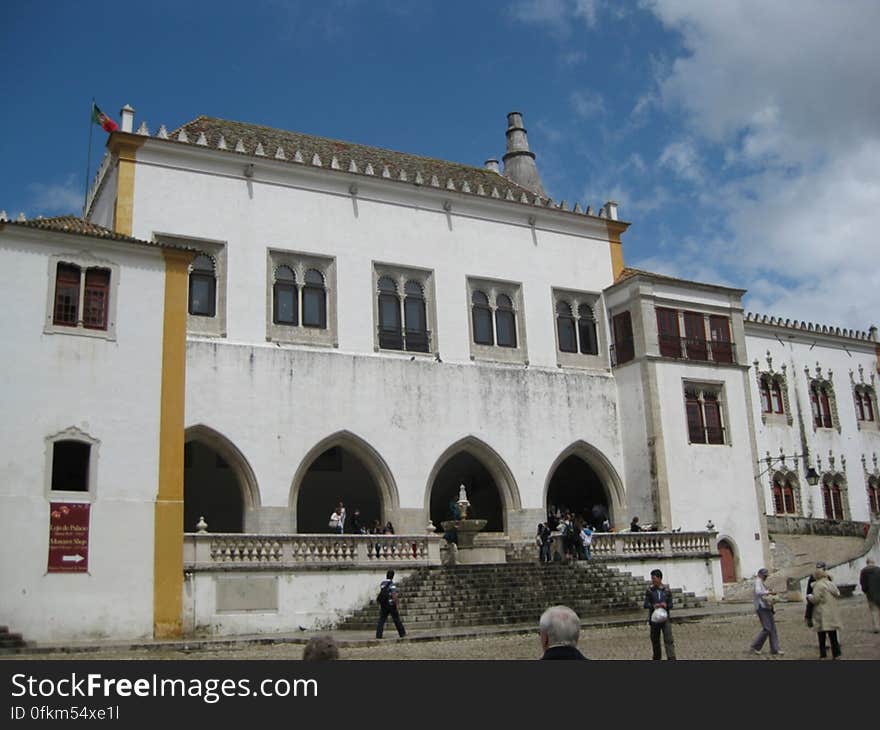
column 337, row 475
column 482, row 492
column 576, row 487
column 211, row 490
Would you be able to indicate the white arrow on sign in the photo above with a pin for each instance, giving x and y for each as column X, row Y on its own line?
column 72, row 558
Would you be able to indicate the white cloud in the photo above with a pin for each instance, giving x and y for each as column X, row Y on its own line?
column 56, row 198
column 682, row 158
column 558, row 15
column 587, row 104
column 787, row 94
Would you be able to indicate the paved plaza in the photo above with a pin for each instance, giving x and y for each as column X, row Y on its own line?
column 717, row 632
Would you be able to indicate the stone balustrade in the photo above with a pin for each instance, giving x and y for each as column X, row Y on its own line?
column 230, row 551
column 654, row 544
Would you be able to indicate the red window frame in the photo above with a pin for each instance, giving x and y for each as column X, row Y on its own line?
column 67, row 282
column 778, row 401
column 695, row 334
column 719, row 329
column 695, row 423
column 712, row 416
column 766, row 402
column 96, row 299
column 623, row 337
column 668, row 332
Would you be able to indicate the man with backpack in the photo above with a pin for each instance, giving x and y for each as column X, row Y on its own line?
column 387, row 600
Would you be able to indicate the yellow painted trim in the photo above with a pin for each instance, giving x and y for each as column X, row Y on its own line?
column 168, row 518
column 125, row 147
column 616, row 246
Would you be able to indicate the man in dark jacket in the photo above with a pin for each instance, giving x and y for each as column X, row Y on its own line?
column 560, row 629
column 869, row 580
column 659, row 596
column 388, row 601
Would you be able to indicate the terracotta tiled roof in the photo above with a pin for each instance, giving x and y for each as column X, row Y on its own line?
column 81, row 227
column 629, row 273
column 253, row 139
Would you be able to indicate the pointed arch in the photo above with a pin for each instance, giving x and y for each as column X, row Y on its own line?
column 247, row 481
column 493, row 463
column 604, row 469
column 368, row 456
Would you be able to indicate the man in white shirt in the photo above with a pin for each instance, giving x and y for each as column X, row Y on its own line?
column 763, row 598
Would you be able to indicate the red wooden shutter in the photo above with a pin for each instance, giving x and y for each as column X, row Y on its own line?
column 779, row 406
column 722, row 350
column 766, row 404
column 714, row 429
column 623, row 337
column 97, row 296
column 696, row 431
column 66, row 294
column 668, row 332
column 695, row 332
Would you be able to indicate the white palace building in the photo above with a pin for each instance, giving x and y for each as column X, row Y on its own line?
column 250, row 325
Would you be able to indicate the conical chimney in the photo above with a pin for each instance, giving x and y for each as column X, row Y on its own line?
column 519, row 161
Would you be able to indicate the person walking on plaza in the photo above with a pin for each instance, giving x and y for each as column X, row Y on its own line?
column 808, row 614
column 763, row 599
column 388, row 604
column 560, row 629
column 869, row 580
column 658, row 601
column 826, row 617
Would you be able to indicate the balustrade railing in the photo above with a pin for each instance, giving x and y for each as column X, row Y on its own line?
column 655, row 544
column 238, row 551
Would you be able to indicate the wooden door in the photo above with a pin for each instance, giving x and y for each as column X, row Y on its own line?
column 728, row 563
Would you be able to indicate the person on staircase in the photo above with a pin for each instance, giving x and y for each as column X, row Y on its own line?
column 388, row 601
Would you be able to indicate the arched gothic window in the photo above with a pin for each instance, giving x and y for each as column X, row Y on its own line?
column 785, row 497
column 390, row 335
column 864, row 398
column 314, row 300
column 834, row 497
column 403, row 320
column 565, row 327
column 874, row 495
column 588, row 339
column 285, row 297
column 821, row 400
column 481, row 314
column 505, row 321
column 202, row 287
column 415, row 317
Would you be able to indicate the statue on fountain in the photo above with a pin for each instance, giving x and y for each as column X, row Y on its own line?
column 462, row 529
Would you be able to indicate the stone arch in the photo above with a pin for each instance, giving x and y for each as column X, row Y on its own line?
column 368, row 457
column 729, row 557
column 237, row 462
column 604, row 470
column 493, row 464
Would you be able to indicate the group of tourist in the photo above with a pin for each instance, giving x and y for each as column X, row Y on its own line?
column 357, row 526
column 575, row 532
column 559, row 626
column 821, row 614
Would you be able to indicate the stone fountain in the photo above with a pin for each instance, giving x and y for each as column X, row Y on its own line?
column 466, row 530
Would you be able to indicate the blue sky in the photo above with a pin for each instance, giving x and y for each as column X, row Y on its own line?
column 741, row 138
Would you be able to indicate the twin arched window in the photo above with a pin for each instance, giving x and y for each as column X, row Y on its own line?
column 403, row 321
column 576, row 333
column 503, row 333
column 287, row 295
column 864, row 403
column 833, row 495
column 771, row 394
column 785, row 494
column 821, row 399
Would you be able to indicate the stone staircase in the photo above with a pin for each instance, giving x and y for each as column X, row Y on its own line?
column 513, row 593
column 10, row 643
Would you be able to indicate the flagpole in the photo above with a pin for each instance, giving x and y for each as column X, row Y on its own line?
column 88, row 160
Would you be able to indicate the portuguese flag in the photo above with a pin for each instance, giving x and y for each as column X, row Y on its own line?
column 102, row 120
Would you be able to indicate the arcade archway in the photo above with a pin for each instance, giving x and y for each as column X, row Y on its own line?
column 582, row 481
column 489, row 484
column 342, row 468
column 218, row 483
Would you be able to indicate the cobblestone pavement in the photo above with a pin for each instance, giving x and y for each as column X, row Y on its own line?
column 716, row 636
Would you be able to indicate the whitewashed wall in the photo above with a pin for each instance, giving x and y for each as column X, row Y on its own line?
column 797, row 350
column 110, row 391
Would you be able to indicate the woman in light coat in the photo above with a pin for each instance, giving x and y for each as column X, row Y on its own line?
column 826, row 617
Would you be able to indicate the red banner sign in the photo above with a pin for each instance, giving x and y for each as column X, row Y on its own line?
column 68, row 537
